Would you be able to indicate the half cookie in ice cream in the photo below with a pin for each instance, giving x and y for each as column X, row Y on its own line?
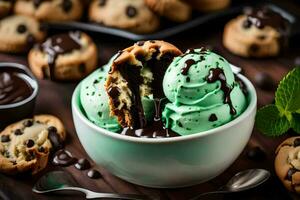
column 135, row 73
column 202, row 91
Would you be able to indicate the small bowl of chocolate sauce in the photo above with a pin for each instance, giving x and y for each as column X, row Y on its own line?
column 18, row 91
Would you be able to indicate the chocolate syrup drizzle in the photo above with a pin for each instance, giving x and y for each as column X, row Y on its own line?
column 60, row 44
column 188, row 63
column 217, row 74
column 132, row 75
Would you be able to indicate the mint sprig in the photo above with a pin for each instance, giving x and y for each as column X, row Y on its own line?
column 275, row 120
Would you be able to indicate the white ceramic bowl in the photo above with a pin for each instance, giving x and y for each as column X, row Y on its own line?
column 167, row 162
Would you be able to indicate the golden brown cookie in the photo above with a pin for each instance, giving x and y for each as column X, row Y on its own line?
column 54, row 10
column 19, row 33
column 137, row 72
column 25, row 145
column 175, row 10
column 68, row 56
column 260, row 33
column 208, row 5
column 287, row 163
column 131, row 15
column 5, row 7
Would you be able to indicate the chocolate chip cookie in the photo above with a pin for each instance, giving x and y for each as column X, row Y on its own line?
column 131, row 15
column 19, row 33
column 50, row 10
column 67, row 56
column 136, row 73
column 257, row 33
column 5, row 7
column 175, row 10
column 287, row 163
column 25, row 145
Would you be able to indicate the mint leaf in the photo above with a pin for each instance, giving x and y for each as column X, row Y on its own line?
column 270, row 122
column 296, row 122
column 287, row 97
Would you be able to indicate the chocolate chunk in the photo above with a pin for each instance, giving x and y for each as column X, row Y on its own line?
column 28, row 123
column 41, row 149
column 52, row 129
column 94, row 174
column 261, row 37
column 212, row 118
column 82, row 68
column 63, row 158
column 256, row 153
column 264, row 81
column 29, row 143
column 188, row 79
column 30, row 40
column 102, row 3
column 253, row 48
column 22, row 28
column 131, row 11
column 83, row 164
column 18, row 132
column 290, row 173
column 247, row 24
column 67, row 5
column 140, row 43
column 55, row 140
column 5, row 138
column 297, row 142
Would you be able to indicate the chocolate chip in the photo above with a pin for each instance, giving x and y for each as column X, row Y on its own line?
column 30, row 40
column 13, row 162
column 5, row 138
column 82, row 68
column 264, row 81
column 152, row 41
column 37, row 3
column 140, row 43
column 290, row 173
column 94, row 174
column 253, row 48
column 29, row 143
column 63, row 158
column 18, row 132
column 67, row 5
column 188, row 79
column 83, row 164
column 247, row 24
column 256, row 153
column 21, row 28
column 52, row 129
column 259, row 24
column 102, row 3
column 41, row 149
column 212, row 118
column 261, row 37
column 297, row 142
column 131, row 11
column 28, row 123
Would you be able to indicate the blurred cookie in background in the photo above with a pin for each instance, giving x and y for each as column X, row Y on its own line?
column 259, row 32
column 5, row 7
column 19, row 33
column 67, row 56
column 55, row 10
column 208, row 5
column 174, row 10
column 131, row 15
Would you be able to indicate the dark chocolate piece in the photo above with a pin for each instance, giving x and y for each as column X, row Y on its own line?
column 212, row 118
column 18, row 132
column 21, row 28
column 63, row 158
column 5, row 138
column 131, row 11
column 296, row 142
column 28, row 123
column 102, row 3
column 83, row 164
column 290, row 173
column 94, row 174
column 67, row 5
column 29, row 143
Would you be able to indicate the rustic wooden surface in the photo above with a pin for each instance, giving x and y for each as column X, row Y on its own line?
column 54, row 98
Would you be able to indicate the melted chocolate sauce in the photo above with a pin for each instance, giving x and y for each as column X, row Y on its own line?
column 188, row 63
column 217, row 74
column 154, row 130
column 60, row 44
column 266, row 17
column 13, row 88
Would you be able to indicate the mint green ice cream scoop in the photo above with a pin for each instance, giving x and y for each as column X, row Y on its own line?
column 203, row 93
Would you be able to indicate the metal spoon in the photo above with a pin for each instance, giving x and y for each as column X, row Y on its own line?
column 62, row 181
column 241, row 181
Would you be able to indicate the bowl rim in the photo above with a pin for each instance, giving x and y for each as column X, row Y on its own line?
column 250, row 108
column 34, row 84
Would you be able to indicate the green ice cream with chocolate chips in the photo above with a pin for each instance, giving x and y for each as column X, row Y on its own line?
column 203, row 93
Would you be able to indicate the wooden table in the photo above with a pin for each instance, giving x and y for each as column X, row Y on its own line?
column 55, row 98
